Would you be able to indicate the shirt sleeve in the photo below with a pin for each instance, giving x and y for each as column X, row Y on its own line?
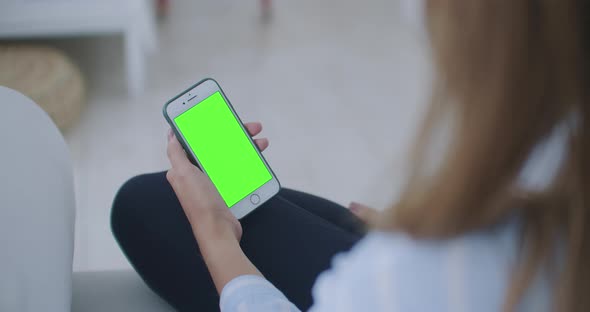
column 395, row 272
column 252, row 293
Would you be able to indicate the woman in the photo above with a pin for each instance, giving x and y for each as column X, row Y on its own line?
column 499, row 223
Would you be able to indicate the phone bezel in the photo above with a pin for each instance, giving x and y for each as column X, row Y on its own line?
column 197, row 93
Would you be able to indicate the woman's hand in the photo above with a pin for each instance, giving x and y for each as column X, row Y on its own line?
column 365, row 213
column 205, row 209
column 216, row 229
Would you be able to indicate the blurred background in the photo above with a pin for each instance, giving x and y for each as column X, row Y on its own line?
column 339, row 86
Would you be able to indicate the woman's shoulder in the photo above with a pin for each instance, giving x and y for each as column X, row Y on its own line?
column 393, row 271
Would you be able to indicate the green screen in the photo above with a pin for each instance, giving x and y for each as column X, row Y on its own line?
column 215, row 136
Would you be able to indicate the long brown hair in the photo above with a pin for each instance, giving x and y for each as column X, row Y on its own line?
column 508, row 72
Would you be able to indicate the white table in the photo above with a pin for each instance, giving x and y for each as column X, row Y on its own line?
column 134, row 19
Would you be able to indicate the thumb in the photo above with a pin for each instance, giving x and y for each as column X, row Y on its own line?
column 176, row 154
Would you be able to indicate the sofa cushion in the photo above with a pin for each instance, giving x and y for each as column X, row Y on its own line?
column 114, row 291
column 36, row 209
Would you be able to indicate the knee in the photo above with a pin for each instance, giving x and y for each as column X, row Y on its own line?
column 122, row 207
column 127, row 205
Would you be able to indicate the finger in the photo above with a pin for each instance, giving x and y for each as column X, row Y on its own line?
column 363, row 212
column 253, row 128
column 262, row 143
column 176, row 153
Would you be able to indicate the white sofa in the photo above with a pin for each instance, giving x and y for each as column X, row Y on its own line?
column 37, row 214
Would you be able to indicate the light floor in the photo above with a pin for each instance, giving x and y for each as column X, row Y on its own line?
column 338, row 84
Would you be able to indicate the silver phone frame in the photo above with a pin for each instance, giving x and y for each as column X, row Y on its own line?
column 192, row 97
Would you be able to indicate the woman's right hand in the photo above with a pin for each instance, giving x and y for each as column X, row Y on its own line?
column 365, row 213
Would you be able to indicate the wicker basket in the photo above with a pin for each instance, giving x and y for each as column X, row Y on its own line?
column 48, row 77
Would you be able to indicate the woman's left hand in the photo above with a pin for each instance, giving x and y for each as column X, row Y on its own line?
column 216, row 229
column 206, row 211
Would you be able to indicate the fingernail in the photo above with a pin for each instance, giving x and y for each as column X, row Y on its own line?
column 170, row 134
column 355, row 207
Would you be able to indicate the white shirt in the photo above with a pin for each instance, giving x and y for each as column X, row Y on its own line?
column 393, row 272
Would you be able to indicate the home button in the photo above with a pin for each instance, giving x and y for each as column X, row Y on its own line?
column 255, row 199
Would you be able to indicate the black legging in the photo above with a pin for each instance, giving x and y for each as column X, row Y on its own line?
column 290, row 239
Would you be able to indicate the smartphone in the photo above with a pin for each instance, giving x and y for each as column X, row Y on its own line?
column 216, row 141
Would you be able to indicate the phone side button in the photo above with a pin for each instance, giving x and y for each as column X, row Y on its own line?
column 255, row 199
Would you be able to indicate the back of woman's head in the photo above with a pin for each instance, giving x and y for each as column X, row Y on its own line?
column 507, row 74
